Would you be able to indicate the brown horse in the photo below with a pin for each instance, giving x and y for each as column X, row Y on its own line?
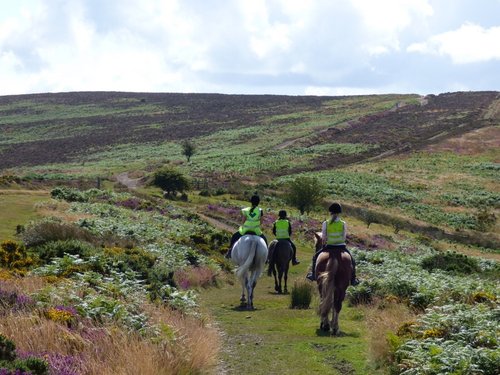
column 281, row 254
column 333, row 270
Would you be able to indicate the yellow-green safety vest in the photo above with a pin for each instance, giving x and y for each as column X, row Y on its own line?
column 282, row 229
column 252, row 222
column 335, row 233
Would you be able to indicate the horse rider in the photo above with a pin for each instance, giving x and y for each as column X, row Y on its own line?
column 253, row 217
column 333, row 235
column 282, row 229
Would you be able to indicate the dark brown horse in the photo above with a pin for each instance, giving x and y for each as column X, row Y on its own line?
column 333, row 270
column 281, row 254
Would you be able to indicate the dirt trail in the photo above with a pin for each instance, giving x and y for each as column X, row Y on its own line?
column 216, row 223
column 124, row 179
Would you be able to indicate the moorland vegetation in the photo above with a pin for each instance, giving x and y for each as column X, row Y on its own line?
column 99, row 276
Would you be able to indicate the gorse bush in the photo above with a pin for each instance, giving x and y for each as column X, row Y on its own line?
column 451, row 262
column 14, row 256
column 301, row 295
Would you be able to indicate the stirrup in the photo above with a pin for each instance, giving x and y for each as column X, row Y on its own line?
column 310, row 277
column 295, row 262
column 355, row 282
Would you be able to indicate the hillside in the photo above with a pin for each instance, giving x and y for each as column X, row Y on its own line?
column 45, row 129
column 120, row 280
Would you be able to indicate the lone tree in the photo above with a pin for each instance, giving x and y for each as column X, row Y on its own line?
column 171, row 181
column 305, row 193
column 188, row 149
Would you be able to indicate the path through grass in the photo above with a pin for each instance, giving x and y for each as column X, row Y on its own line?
column 275, row 339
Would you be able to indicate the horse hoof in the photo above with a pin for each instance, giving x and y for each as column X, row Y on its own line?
column 324, row 327
column 276, row 289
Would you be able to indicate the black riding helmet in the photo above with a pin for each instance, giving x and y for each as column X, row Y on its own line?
column 335, row 208
column 255, row 200
column 282, row 214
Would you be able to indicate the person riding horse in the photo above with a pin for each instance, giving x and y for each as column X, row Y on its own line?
column 334, row 233
column 282, row 229
column 253, row 216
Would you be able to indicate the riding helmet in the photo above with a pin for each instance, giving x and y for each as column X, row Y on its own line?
column 255, row 200
column 335, row 208
column 282, row 214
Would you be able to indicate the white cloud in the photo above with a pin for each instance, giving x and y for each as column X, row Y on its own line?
column 240, row 46
column 385, row 20
column 469, row 44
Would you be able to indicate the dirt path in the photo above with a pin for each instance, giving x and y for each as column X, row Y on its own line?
column 216, row 223
column 124, row 179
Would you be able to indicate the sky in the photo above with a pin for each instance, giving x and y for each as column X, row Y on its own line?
column 291, row 47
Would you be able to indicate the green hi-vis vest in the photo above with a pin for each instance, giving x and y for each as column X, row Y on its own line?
column 282, row 229
column 335, row 233
column 252, row 222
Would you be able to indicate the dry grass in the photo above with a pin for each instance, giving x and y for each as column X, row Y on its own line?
column 382, row 318
column 186, row 345
column 59, row 209
column 195, row 277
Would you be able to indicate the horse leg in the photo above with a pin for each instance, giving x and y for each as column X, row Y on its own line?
column 280, row 277
column 276, row 287
column 251, row 288
column 337, row 306
column 285, row 276
column 243, row 287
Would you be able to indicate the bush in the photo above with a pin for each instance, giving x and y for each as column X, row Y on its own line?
column 48, row 230
column 362, row 294
column 7, row 349
column 68, row 194
column 171, row 181
column 451, row 262
column 305, row 193
column 58, row 248
column 301, row 295
column 8, row 361
column 13, row 255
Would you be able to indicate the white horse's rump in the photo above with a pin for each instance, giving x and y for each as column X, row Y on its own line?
column 249, row 254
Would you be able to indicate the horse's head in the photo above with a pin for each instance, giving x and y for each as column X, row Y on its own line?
column 318, row 242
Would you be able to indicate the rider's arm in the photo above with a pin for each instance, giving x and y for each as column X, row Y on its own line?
column 324, row 237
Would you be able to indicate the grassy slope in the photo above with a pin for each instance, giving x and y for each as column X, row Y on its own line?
column 17, row 207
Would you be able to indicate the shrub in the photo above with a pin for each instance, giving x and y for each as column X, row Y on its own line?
column 305, row 193
column 362, row 294
column 13, row 255
column 486, row 220
column 58, row 248
column 68, row 194
column 451, row 262
column 7, row 349
column 47, row 230
column 301, row 295
column 171, row 181
column 9, row 364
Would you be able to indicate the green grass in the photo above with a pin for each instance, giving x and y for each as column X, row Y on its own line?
column 17, row 207
column 275, row 339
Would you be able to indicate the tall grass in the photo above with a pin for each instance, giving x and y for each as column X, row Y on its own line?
column 182, row 345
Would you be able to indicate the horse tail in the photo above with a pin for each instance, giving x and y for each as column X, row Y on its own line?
column 243, row 269
column 327, row 281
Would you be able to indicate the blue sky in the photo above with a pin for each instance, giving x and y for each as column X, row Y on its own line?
column 295, row 47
